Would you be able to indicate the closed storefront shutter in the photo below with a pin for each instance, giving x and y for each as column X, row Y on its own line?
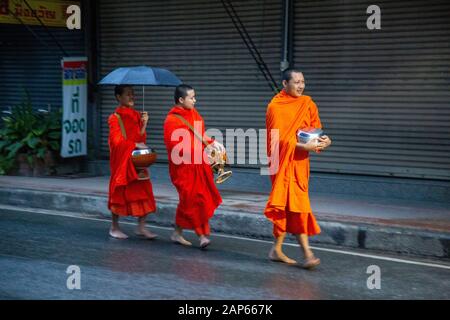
column 198, row 42
column 383, row 95
column 33, row 62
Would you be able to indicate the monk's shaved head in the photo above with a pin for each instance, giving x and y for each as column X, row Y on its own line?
column 181, row 92
column 293, row 82
column 287, row 74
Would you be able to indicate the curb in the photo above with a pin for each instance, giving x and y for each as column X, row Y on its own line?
column 398, row 240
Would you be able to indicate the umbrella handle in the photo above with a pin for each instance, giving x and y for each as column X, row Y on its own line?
column 143, row 98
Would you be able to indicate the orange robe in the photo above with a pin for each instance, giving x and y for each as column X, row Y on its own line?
column 198, row 194
column 288, row 206
column 127, row 195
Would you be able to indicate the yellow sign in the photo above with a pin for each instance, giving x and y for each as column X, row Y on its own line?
column 51, row 13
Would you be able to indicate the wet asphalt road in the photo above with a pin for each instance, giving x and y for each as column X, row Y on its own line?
column 36, row 249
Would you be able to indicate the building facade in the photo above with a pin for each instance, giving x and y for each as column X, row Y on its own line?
column 383, row 94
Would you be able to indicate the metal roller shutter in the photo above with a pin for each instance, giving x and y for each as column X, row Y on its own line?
column 26, row 62
column 198, row 42
column 383, row 95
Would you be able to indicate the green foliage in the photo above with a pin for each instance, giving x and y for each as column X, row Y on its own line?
column 28, row 132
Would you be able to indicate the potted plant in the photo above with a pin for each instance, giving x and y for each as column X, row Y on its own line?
column 29, row 139
column 45, row 141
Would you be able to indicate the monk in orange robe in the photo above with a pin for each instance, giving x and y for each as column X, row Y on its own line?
column 128, row 196
column 189, row 168
column 288, row 206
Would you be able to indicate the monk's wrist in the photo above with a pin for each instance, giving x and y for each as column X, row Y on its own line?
column 302, row 146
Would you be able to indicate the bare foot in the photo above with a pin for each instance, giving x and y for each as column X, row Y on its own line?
column 175, row 237
column 311, row 263
column 280, row 257
column 146, row 234
column 204, row 242
column 116, row 233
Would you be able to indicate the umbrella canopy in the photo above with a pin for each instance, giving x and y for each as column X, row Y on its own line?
column 141, row 75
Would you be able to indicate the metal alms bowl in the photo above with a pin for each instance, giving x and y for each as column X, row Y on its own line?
column 143, row 158
column 308, row 134
column 218, row 161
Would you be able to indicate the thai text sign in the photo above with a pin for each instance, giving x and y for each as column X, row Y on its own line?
column 74, row 107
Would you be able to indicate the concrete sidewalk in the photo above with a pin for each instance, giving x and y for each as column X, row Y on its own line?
column 408, row 227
